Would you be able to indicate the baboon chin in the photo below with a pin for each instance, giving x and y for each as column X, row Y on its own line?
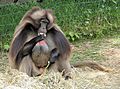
column 37, row 40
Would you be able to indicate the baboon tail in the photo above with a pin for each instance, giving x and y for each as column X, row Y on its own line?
column 92, row 65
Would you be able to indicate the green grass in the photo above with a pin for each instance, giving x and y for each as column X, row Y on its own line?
column 83, row 19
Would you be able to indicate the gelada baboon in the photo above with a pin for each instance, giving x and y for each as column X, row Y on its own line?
column 37, row 42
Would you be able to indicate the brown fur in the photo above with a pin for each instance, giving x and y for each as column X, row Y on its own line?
column 33, row 63
column 22, row 34
column 92, row 65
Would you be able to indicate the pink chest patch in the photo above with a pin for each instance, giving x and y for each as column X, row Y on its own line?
column 42, row 43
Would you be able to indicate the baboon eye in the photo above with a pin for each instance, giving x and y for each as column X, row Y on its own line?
column 44, row 20
column 43, row 23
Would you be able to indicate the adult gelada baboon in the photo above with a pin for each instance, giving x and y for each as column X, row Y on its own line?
column 55, row 46
column 37, row 42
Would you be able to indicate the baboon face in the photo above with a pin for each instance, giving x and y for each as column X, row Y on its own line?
column 43, row 24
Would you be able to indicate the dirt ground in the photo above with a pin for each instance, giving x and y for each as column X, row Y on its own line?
column 83, row 78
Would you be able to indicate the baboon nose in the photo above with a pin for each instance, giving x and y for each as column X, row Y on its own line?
column 42, row 34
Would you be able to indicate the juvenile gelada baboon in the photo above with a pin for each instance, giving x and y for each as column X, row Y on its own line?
column 39, row 41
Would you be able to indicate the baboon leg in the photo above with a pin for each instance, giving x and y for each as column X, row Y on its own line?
column 53, row 67
column 65, row 67
column 28, row 67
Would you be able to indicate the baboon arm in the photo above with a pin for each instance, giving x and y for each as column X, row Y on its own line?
column 65, row 67
column 27, row 48
column 92, row 65
column 27, row 66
